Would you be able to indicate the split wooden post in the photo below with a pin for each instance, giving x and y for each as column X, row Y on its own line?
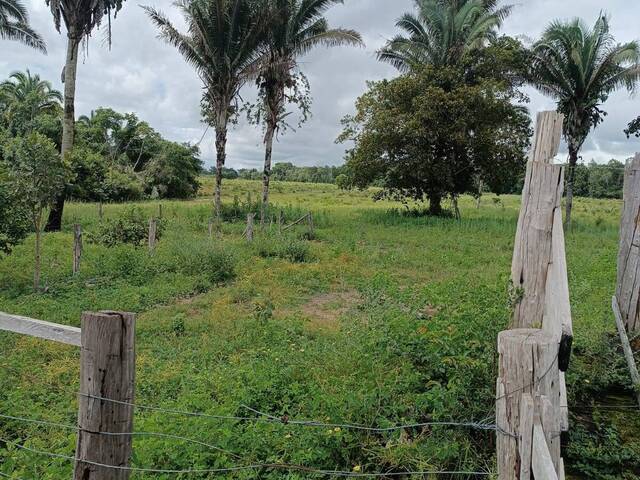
column 249, row 231
column 628, row 288
column 153, row 231
column 107, row 371
column 539, row 237
column 528, row 377
column 77, row 248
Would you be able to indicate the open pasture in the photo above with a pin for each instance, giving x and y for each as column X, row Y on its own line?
column 380, row 319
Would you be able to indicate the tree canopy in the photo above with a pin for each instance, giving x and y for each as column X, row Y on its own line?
column 14, row 25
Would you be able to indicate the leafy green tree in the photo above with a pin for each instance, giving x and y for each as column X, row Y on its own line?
column 80, row 18
column 14, row 25
column 634, row 128
column 432, row 134
column 36, row 173
column 14, row 221
column 343, row 182
column 24, row 98
column 174, row 172
column 221, row 43
column 442, row 32
column 580, row 67
column 296, row 27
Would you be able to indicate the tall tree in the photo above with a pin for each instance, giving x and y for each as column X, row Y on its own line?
column 296, row 27
column 580, row 67
column 221, row 43
column 80, row 17
column 14, row 25
column 442, row 32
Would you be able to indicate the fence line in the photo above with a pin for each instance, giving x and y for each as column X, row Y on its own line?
column 255, row 466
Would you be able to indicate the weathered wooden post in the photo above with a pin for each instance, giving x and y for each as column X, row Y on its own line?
column 626, row 348
column 540, row 236
column 249, row 231
column 280, row 221
column 107, row 388
column 153, row 231
column 160, row 210
column 100, row 211
column 628, row 289
column 527, row 397
column 211, row 227
column 77, row 248
column 311, row 225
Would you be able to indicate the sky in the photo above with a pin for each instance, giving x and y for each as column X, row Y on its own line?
column 141, row 74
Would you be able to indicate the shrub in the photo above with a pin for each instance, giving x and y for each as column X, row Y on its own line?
column 201, row 258
column 132, row 228
column 287, row 248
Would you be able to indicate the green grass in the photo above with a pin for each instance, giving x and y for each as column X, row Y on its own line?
column 381, row 319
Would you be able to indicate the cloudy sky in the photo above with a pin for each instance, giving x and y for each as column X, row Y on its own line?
column 143, row 75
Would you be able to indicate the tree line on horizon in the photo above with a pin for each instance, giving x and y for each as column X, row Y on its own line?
column 453, row 122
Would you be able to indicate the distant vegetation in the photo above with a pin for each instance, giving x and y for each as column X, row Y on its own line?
column 286, row 172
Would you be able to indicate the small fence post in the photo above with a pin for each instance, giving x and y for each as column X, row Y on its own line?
column 107, row 371
column 527, row 395
column 77, row 248
column 211, row 227
column 250, row 217
column 311, row 226
column 100, row 211
column 628, row 292
column 153, row 230
column 280, row 221
column 160, row 210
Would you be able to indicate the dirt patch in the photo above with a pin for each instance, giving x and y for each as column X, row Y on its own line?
column 324, row 311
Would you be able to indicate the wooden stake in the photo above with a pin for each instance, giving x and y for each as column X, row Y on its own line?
column 528, row 365
column 153, row 228
column 249, row 233
column 280, row 221
column 77, row 248
column 160, row 210
column 100, row 212
column 311, row 226
column 107, row 371
column 211, row 228
column 628, row 288
column 626, row 348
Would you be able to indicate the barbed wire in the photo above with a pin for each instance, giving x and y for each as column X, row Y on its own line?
column 119, row 434
column 254, row 466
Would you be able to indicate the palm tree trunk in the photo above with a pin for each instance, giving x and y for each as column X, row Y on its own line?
column 266, row 175
column 221, row 156
column 573, row 160
column 68, row 126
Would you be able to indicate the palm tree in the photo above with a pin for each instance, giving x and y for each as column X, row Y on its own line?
column 580, row 67
column 80, row 18
column 24, row 90
column 443, row 31
column 221, row 43
column 296, row 27
column 14, row 25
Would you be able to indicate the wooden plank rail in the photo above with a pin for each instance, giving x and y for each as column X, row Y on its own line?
column 40, row 329
column 626, row 347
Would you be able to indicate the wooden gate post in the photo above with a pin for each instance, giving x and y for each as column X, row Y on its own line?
column 107, row 371
column 527, row 394
column 628, row 289
column 77, row 248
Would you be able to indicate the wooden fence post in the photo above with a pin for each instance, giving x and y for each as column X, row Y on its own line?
column 527, row 394
column 311, row 225
column 77, row 248
column 250, row 217
column 100, row 211
column 107, row 371
column 628, row 288
column 160, row 210
column 153, row 230
column 626, row 348
column 211, row 227
column 280, row 221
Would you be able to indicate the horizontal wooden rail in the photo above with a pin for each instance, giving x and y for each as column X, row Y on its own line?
column 40, row 329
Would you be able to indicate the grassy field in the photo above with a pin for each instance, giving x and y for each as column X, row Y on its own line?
column 378, row 319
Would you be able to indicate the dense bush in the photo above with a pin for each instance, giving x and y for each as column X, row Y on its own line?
column 131, row 227
column 14, row 221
